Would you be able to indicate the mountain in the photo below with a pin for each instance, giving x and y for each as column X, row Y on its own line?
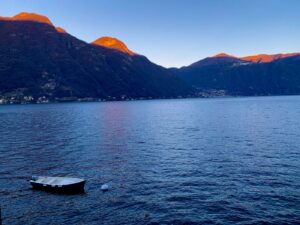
column 203, row 74
column 40, row 62
column 33, row 17
column 220, row 59
column 223, row 55
column 273, row 75
column 264, row 58
column 24, row 16
column 113, row 43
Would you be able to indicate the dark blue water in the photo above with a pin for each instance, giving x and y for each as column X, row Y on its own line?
column 201, row 161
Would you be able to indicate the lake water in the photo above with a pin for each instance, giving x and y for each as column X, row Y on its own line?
column 190, row 161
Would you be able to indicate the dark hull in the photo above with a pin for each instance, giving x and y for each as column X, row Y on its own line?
column 71, row 188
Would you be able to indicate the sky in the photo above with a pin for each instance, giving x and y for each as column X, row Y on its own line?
column 176, row 33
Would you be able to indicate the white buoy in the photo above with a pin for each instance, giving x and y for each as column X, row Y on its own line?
column 104, row 187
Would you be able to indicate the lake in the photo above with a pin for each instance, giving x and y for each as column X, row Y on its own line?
column 187, row 161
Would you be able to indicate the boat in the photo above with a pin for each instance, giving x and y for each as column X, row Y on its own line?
column 58, row 184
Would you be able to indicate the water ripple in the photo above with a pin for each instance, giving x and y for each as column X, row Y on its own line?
column 201, row 161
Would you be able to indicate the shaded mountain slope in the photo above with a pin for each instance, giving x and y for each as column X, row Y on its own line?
column 37, row 60
column 240, row 77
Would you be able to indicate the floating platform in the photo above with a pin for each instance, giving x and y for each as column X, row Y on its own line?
column 58, row 184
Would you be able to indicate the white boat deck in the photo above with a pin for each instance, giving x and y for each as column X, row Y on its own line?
column 57, row 180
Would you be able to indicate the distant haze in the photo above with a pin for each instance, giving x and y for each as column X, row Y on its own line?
column 176, row 33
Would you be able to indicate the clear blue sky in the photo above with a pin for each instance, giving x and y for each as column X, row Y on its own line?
column 177, row 32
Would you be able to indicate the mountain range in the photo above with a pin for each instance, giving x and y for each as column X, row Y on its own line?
column 40, row 62
column 247, row 76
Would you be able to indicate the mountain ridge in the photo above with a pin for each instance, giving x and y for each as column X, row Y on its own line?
column 265, row 58
column 113, row 43
column 233, row 76
column 33, row 17
column 40, row 63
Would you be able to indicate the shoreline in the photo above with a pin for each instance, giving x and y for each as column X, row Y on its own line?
column 95, row 100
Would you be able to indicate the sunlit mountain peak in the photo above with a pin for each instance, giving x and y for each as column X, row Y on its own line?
column 33, row 17
column 113, row 43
